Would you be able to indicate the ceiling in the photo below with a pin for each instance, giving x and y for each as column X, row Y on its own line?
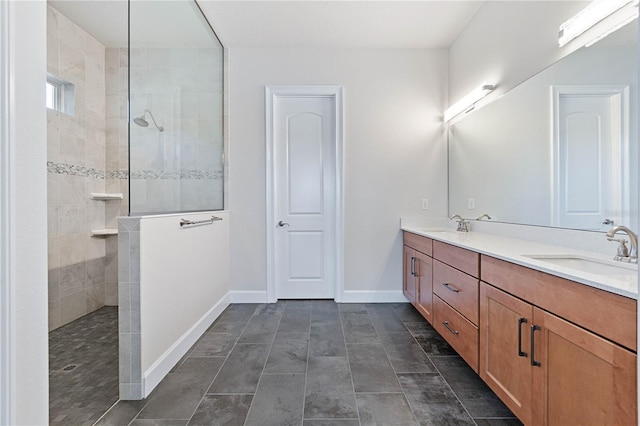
column 335, row 24
column 280, row 24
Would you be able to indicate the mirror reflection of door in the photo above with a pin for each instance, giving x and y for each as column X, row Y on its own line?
column 590, row 143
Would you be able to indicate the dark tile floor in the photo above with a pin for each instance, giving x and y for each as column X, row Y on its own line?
column 83, row 368
column 318, row 363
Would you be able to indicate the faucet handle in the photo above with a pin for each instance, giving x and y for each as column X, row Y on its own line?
column 617, row 240
column 623, row 251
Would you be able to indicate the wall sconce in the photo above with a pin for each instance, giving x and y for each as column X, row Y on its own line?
column 595, row 12
column 468, row 102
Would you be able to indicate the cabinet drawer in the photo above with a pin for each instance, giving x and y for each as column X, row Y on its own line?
column 461, row 334
column 457, row 289
column 422, row 244
column 462, row 259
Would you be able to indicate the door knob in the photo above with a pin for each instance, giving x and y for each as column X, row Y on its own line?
column 282, row 224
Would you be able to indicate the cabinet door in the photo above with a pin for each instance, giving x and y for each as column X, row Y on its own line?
column 409, row 281
column 424, row 267
column 582, row 379
column 505, row 363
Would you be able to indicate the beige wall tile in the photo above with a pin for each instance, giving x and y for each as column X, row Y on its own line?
column 72, row 189
column 70, row 34
column 95, row 51
column 72, row 61
column 53, row 247
column 72, row 248
column 73, row 307
column 95, row 297
column 53, row 196
column 72, row 278
column 71, row 219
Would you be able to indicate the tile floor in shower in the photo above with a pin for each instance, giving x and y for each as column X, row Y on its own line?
column 83, row 368
column 317, row 363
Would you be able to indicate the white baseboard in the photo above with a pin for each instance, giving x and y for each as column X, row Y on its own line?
column 373, row 296
column 240, row 296
column 170, row 358
column 348, row 296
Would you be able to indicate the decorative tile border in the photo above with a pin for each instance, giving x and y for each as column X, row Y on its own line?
column 176, row 174
column 73, row 170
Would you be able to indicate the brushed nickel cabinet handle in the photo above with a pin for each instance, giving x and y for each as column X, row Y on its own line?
column 450, row 288
column 446, row 324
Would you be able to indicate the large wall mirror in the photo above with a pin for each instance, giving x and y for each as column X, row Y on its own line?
column 558, row 150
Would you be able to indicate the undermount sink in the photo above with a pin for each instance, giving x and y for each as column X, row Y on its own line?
column 443, row 232
column 588, row 264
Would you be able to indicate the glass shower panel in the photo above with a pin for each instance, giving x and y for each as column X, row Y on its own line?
column 175, row 109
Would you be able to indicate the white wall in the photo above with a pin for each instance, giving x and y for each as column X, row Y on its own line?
column 28, row 142
column 184, row 274
column 394, row 151
column 507, row 42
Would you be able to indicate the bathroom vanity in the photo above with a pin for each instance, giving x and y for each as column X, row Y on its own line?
column 554, row 339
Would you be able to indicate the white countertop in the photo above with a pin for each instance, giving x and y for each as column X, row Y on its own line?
column 516, row 251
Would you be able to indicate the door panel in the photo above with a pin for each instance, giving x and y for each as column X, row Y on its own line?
column 590, row 165
column 424, row 266
column 305, row 158
column 409, row 282
column 304, row 191
column 306, row 255
column 582, row 379
column 506, row 371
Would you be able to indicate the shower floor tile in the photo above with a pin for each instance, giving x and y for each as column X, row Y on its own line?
column 83, row 368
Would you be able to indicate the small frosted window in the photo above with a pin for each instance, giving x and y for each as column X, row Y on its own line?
column 60, row 95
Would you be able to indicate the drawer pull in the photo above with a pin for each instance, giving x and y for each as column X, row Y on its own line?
column 534, row 328
column 446, row 324
column 520, row 322
column 450, row 288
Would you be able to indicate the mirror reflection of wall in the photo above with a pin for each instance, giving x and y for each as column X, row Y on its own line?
column 506, row 158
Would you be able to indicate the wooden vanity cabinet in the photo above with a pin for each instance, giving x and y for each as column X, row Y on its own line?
column 410, row 282
column 455, row 299
column 417, row 282
column 582, row 378
column 504, row 349
column 547, row 370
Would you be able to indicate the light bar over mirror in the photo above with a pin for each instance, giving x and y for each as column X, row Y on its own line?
column 606, row 15
column 467, row 103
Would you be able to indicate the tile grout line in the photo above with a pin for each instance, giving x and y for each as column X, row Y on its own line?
column 440, row 374
column 346, row 349
column 415, row 417
column 219, row 369
column 306, row 370
column 264, row 365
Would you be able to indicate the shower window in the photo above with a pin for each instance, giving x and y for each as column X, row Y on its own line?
column 175, row 64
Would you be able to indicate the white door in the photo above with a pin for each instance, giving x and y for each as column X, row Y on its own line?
column 304, row 138
column 590, row 181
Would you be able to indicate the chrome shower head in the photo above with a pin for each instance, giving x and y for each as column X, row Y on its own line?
column 142, row 122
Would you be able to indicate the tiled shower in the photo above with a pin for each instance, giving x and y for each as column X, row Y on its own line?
column 135, row 129
column 94, row 158
column 82, row 268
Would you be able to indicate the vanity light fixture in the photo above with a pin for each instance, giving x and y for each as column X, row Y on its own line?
column 467, row 103
column 594, row 13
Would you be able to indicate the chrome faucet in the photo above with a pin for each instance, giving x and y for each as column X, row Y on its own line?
column 463, row 225
column 484, row 216
column 623, row 254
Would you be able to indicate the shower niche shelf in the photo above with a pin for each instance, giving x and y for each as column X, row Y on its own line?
column 103, row 232
column 106, row 196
